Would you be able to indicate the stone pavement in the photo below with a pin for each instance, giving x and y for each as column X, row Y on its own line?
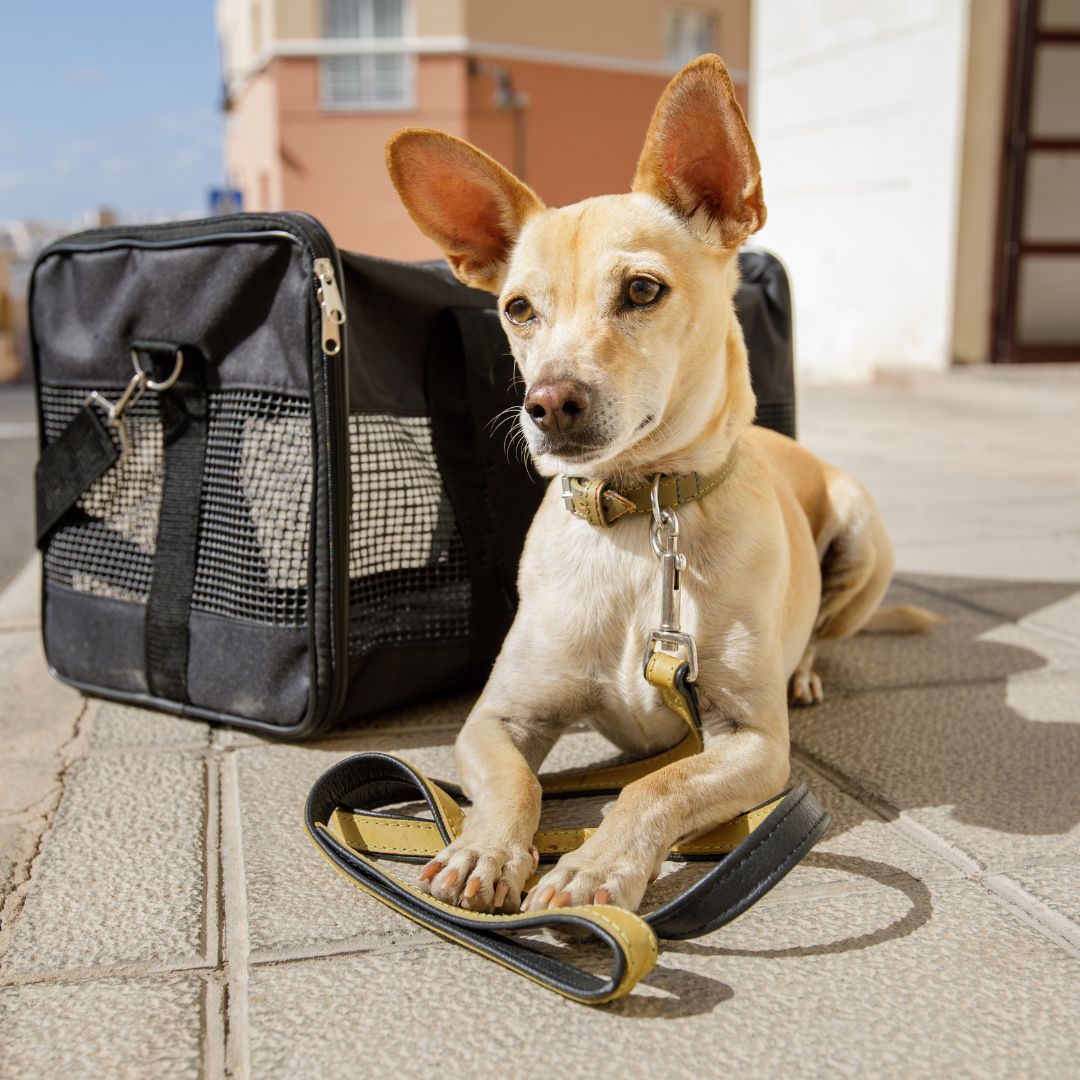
column 164, row 914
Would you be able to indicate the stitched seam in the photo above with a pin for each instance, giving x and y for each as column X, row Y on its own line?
column 382, row 823
column 384, row 848
column 728, row 871
column 791, row 857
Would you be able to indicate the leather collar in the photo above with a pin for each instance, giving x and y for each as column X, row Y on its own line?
column 603, row 502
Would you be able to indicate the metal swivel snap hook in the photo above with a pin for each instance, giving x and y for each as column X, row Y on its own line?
column 664, row 537
column 139, row 383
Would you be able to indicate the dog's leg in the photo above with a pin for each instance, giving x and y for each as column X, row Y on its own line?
column 742, row 766
column 487, row 866
column 506, row 737
column 804, row 687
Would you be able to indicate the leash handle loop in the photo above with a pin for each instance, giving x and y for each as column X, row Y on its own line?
column 781, row 833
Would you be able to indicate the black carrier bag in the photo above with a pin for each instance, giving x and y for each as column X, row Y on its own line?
column 269, row 492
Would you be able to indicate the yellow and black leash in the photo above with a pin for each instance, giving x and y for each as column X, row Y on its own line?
column 754, row 851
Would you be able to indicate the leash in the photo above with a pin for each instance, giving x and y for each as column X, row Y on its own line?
column 346, row 819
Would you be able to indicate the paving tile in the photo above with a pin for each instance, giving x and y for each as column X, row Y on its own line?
column 20, row 602
column 446, row 712
column 121, row 872
column 961, row 760
column 968, row 646
column 38, row 718
column 111, row 725
column 106, row 1028
column 914, row 520
column 295, row 899
column 1045, row 698
column 14, row 844
column 885, row 982
column 1056, row 886
column 1049, row 515
column 1010, row 599
column 1062, row 617
column 1039, row 558
column 861, row 850
column 297, row 903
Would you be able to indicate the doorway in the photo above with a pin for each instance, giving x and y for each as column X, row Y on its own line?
column 1037, row 275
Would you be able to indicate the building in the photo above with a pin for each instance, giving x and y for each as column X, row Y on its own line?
column 561, row 94
column 922, row 173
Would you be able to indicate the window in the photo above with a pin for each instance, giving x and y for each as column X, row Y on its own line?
column 365, row 80
column 689, row 34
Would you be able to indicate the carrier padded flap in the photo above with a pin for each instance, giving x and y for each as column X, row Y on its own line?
column 243, row 305
column 82, row 454
column 393, row 309
column 763, row 305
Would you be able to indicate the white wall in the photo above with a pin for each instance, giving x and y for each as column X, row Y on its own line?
column 857, row 107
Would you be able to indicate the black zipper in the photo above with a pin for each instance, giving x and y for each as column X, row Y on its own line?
column 307, row 228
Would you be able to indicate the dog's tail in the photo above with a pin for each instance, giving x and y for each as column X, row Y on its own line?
column 901, row 619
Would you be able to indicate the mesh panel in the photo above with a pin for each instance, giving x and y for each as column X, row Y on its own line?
column 407, row 565
column 254, row 517
column 408, row 573
column 108, row 549
column 255, row 513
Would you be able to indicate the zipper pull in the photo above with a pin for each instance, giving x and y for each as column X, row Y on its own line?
column 333, row 307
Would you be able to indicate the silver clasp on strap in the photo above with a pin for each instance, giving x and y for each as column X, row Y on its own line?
column 140, row 382
column 664, row 536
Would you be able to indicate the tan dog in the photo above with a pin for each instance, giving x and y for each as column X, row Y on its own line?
column 618, row 310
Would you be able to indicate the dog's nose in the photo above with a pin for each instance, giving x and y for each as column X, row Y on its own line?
column 556, row 406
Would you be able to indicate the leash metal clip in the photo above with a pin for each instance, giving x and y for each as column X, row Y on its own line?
column 664, row 536
column 132, row 395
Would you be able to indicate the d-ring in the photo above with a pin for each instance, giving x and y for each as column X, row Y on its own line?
column 157, row 387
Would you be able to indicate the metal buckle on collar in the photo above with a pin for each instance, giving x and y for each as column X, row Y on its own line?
column 568, row 495
column 668, row 636
column 591, row 496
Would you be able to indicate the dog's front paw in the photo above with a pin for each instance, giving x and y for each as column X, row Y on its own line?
column 578, row 879
column 480, row 877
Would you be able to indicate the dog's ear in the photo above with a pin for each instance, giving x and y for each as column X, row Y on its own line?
column 463, row 200
column 699, row 157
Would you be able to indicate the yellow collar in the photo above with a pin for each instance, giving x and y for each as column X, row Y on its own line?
column 602, row 502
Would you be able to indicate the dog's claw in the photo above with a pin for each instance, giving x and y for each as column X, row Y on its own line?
column 478, row 877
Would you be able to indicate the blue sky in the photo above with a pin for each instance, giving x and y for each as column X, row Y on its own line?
column 108, row 103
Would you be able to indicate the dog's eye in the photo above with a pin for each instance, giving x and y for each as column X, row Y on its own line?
column 643, row 291
column 519, row 311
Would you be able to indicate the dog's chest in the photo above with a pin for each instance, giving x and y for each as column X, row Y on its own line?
column 611, row 600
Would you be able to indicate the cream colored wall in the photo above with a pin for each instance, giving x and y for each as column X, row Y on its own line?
column 298, row 18
column 858, row 114
column 439, row 18
column 980, row 171
column 251, row 142
column 616, row 28
column 236, row 30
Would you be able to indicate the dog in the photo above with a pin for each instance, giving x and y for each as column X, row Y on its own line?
column 619, row 315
